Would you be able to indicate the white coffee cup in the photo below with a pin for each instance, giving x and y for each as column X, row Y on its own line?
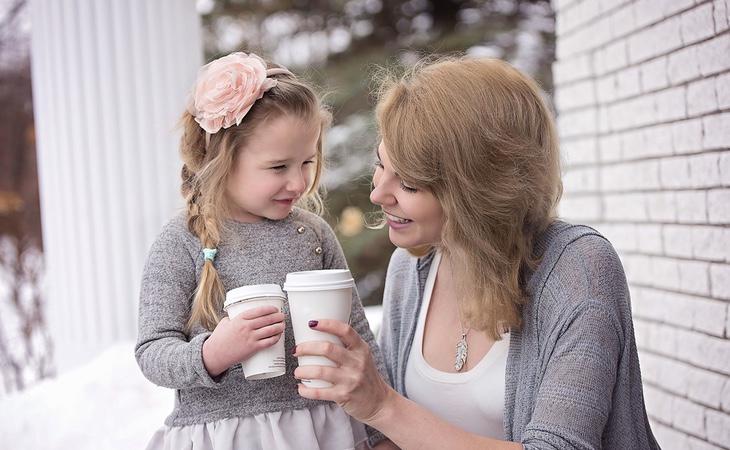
column 271, row 361
column 316, row 295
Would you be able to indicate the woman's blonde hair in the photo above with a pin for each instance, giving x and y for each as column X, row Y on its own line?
column 479, row 136
column 205, row 171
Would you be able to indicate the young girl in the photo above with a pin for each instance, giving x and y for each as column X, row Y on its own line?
column 252, row 151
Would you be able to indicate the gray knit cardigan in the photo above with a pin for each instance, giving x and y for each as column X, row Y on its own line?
column 256, row 253
column 572, row 379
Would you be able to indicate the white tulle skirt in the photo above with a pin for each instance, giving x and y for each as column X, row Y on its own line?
column 325, row 427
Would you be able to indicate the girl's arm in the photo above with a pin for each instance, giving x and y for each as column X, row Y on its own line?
column 164, row 353
column 361, row 392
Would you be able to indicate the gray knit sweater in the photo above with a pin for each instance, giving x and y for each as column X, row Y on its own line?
column 572, row 379
column 255, row 253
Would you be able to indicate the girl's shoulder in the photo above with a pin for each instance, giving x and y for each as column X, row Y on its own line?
column 305, row 218
column 177, row 228
column 175, row 233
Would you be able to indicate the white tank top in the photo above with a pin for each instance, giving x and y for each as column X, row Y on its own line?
column 471, row 400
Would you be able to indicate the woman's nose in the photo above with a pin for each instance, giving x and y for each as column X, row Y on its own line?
column 380, row 194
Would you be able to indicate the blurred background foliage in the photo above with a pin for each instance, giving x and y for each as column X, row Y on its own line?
column 338, row 44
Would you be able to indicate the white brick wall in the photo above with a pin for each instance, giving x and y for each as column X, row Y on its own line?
column 642, row 90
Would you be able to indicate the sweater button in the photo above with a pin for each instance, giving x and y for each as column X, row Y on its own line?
column 318, row 250
column 300, row 230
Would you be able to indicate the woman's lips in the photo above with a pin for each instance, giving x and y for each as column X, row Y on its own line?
column 396, row 222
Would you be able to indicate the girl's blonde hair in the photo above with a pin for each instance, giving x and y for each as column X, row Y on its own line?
column 206, row 168
column 479, row 136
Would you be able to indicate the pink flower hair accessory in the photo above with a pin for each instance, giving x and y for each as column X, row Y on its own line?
column 227, row 88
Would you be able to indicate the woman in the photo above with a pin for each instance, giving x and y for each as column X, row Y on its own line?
column 503, row 327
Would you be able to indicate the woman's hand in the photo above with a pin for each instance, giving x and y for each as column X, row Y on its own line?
column 235, row 340
column 357, row 385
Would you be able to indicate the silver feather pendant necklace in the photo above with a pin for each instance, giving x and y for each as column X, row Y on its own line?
column 462, row 346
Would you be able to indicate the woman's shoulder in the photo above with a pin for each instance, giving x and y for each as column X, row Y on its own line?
column 570, row 247
column 578, row 265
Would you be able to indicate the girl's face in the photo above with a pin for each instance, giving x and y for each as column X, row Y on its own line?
column 274, row 169
column 414, row 215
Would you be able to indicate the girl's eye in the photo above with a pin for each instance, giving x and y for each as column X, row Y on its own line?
column 311, row 161
column 407, row 188
column 279, row 168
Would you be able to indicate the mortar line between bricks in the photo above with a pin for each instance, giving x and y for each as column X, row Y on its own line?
column 648, row 159
column 658, row 190
column 664, row 390
column 703, row 440
column 643, row 350
column 595, row 79
column 642, row 94
column 639, row 127
column 632, row 32
column 676, row 326
column 677, row 258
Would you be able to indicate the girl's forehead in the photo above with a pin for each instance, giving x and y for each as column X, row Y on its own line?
column 282, row 138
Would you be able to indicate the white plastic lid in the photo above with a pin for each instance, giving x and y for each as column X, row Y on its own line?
column 318, row 280
column 253, row 291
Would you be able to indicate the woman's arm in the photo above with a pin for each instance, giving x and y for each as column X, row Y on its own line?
column 361, row 392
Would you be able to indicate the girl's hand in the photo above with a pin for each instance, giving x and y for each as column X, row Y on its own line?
column 357, row 385
column 235, row 340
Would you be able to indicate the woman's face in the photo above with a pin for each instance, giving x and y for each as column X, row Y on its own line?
column 414, row 215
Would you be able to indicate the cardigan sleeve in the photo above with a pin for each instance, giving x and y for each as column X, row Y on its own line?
column 583, row 315
column 573, row 400
column 164, row 352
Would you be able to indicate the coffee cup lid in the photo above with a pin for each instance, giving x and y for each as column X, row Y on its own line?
column 318, row 280
column 248, row 292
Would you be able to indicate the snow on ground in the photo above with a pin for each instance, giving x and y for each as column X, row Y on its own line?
column 106, row 404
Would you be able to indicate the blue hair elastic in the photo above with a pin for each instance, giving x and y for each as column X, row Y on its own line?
column 209, row 253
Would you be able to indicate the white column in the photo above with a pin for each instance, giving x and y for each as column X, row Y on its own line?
column 109, row 84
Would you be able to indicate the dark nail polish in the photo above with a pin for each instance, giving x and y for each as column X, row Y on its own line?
column 313, row 323
column 294, row 351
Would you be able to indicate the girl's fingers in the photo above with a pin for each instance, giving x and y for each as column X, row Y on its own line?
column 259, row 311
column 263, row 321
column 267, row 342
column 268, row 331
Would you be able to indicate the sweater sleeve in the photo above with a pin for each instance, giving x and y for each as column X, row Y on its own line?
column 390, row 327
column 573, row 399
column 334, row 258
column 163, row 351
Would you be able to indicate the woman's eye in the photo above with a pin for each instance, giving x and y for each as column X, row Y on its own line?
column 407, row 188
column 378, row 164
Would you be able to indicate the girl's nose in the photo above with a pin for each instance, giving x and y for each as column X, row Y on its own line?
column 298, row 181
